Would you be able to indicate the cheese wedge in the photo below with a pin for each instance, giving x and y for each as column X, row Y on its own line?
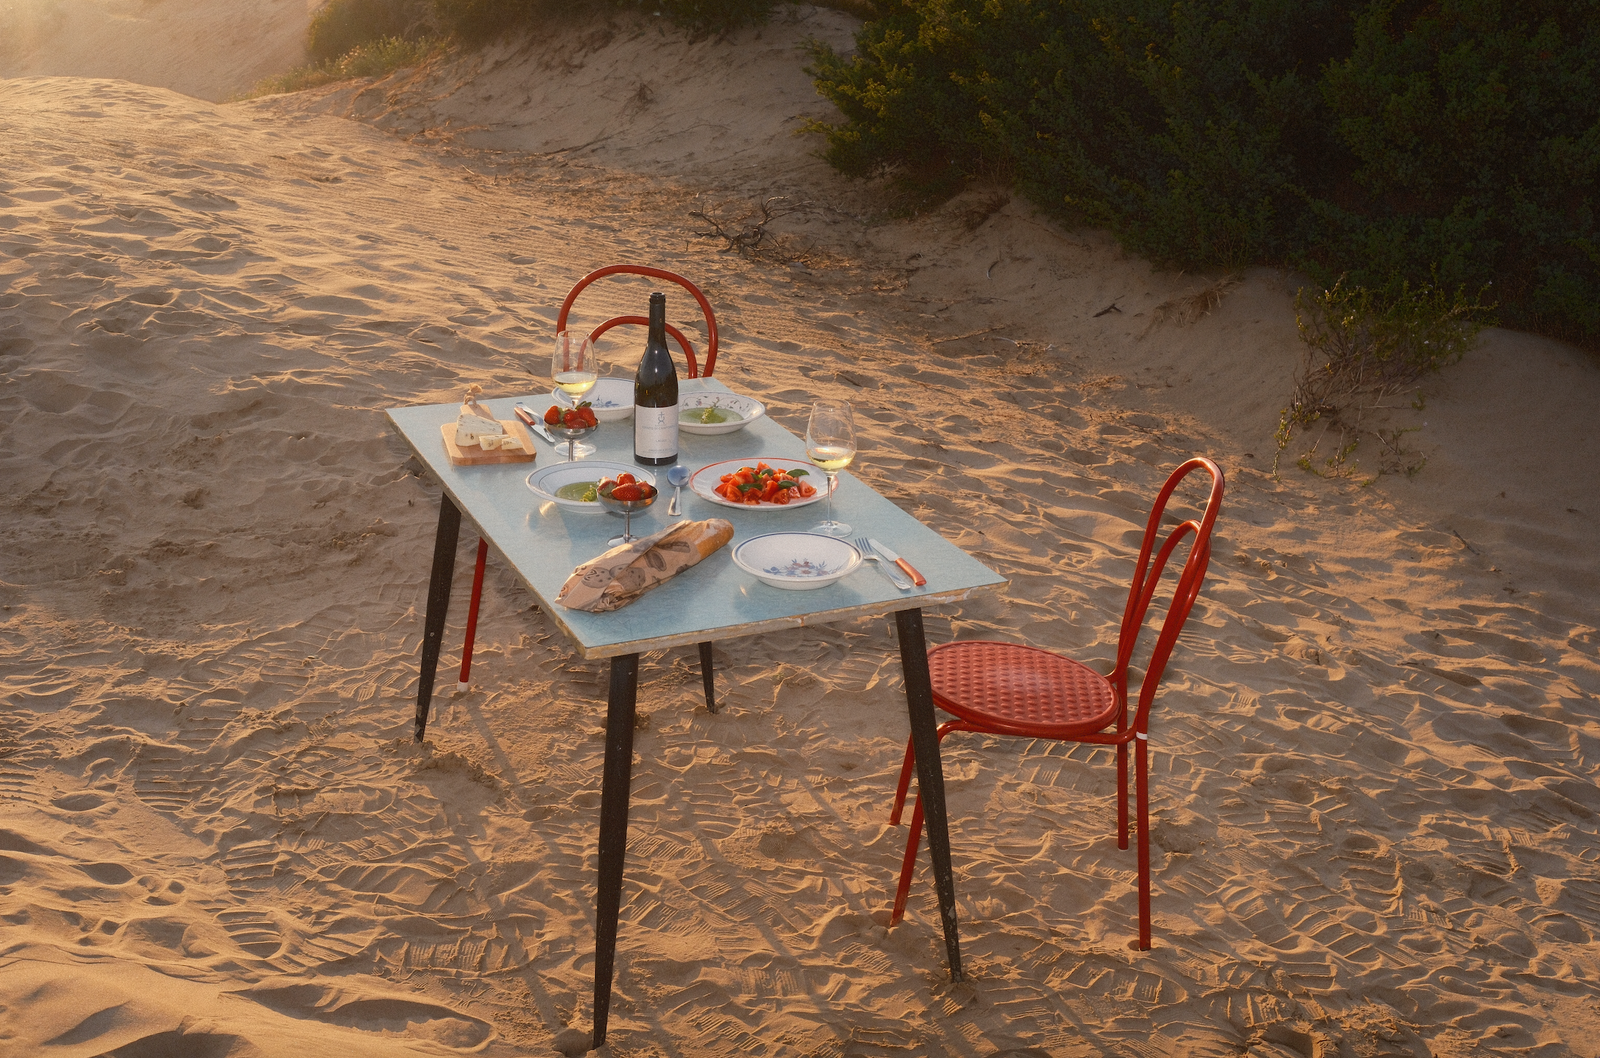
column 471, row 429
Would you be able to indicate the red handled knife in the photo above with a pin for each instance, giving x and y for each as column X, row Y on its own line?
column 911, row 571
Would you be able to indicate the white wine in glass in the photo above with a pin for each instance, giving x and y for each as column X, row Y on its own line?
column 573, row 365
column 831, row 445
column 575, row 369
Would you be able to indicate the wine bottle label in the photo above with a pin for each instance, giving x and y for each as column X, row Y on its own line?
column 655, row 432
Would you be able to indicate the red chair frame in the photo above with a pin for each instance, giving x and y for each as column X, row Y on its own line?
column 615, row 321
column 644, row 321
column 1010, row 689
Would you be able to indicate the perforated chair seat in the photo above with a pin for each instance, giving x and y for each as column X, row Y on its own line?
column 1009, row 688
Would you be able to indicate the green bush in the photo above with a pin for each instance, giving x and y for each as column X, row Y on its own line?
column 477, row 21
column 372, row 59
column 1364, row 347
column 341, row 26
column 1420, row 141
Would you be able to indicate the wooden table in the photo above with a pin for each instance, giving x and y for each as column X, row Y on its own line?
column 715, row 600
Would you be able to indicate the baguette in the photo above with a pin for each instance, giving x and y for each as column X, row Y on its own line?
column 627, row 571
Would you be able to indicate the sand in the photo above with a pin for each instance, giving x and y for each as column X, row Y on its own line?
column 1375, row 805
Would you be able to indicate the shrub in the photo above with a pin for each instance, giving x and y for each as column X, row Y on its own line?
column 1419, row 141
column 372, row 59
column 477, row 21
column 344, row 25
column 1471, row 145
column 1363, row 347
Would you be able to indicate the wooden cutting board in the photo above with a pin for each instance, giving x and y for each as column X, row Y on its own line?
column 473, row 456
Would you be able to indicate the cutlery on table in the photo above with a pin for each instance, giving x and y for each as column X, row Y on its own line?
column 677, row 477
column 901, row 581
column 911, row 571
column 532, row 421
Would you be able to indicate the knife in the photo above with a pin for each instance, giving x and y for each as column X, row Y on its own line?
column 911, row 571
column 532, row 421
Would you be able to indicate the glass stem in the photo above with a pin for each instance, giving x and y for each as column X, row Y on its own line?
column 833, row 477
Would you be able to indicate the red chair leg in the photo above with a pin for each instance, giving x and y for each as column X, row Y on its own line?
column 1122, row 795
column 472, row 614
column 914, row 839
column 905, row 783
column 908, row 864
column 1142, row 792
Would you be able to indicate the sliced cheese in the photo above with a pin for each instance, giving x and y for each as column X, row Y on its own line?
column 471, row 429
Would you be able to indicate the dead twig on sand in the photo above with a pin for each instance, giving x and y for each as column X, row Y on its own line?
column 746, row 234
column 1191, row 308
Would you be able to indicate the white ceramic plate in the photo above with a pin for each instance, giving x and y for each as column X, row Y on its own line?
column 611, row 399
column 547, row 480
column 797, row 561
column 703, row 482
column 742, row 411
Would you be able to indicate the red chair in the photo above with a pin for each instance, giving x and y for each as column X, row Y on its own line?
column 694, row 372
column 1010, row 689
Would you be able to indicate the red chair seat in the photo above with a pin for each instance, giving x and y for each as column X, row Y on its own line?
column 1012, row 689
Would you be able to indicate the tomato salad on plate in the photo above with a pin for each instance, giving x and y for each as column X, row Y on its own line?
column 759, row 483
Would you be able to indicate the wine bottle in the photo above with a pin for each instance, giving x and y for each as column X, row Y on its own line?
column 655, row 395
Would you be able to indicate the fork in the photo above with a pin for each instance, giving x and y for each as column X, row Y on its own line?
column 888, row 569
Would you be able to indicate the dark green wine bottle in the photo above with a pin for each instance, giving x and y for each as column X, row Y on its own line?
column 655, row 395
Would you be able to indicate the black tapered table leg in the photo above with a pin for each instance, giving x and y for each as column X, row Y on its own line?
column 930, row 774
column 706, row 677
column 444, row 566
column 614, row 795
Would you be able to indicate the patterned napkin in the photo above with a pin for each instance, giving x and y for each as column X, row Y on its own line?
column 627, row 571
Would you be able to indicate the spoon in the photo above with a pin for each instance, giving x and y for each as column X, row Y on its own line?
column 677, row 477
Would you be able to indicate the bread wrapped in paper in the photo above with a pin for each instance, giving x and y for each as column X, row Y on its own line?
column 627, row 571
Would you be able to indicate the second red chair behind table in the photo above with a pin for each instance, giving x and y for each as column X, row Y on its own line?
column 1010, row 689
column 695, row 371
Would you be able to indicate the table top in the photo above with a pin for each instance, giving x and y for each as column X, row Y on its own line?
column 714, row 600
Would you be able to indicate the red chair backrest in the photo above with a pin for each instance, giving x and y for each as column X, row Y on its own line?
column 1147, row 577
column 695, row 369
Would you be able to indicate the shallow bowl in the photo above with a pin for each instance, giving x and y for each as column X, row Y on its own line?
column 611, row 399
column 744, row 410
column 546, row 481
column 797, row 561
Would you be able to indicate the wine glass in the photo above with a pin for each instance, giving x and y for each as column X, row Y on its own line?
column 831, row 445
column 575, row 368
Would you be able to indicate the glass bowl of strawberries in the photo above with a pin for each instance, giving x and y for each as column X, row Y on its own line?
column 625, row 494
column 572, row 425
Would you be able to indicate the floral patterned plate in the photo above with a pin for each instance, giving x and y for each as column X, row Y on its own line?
column 797, row 561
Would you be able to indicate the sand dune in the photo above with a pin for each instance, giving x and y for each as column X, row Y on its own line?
column 213, row 51
column 1375, row 801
